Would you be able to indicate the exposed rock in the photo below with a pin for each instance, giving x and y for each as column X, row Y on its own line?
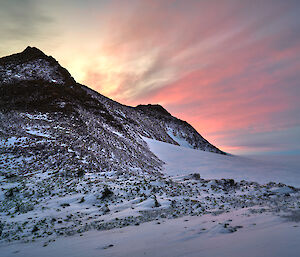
column 55, row 124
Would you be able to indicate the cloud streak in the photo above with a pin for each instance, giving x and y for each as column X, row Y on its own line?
column 228, row 67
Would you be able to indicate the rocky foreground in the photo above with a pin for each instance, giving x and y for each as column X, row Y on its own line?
column 46, row 206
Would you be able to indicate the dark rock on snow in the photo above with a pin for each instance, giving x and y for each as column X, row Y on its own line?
column 56, row 124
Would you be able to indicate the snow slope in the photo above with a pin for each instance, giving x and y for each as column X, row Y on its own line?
column 182, row 161
column 152, row 214
column 260, row 236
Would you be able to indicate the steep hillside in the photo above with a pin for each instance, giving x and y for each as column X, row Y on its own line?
column 50, row 122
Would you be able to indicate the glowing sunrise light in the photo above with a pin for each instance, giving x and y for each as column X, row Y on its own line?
column 230, row 68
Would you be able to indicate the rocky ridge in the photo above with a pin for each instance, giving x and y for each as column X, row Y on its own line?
column 50, row 122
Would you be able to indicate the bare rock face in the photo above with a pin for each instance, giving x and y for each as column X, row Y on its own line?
column 48, row 122
column 179, row 131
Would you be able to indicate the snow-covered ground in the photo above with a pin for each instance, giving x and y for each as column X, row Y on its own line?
column 190, row 210
column 261, row 235
column 182, row 161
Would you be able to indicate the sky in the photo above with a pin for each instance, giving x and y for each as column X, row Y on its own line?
column 230, row 68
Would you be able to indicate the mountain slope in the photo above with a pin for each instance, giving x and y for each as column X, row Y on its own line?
column 73, row 160
column 56, row 124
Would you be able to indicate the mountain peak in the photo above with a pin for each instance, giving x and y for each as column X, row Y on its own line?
column 33, row 51
column 28, row 54
column 30, row 65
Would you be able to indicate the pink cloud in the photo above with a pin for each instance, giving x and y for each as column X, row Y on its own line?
column 231, row 68
column 222, row 66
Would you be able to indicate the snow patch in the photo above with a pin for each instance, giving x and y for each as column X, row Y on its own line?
column 181, row 141
column 183, row 161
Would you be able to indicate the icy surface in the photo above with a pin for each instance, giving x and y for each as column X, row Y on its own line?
column 182, row 161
